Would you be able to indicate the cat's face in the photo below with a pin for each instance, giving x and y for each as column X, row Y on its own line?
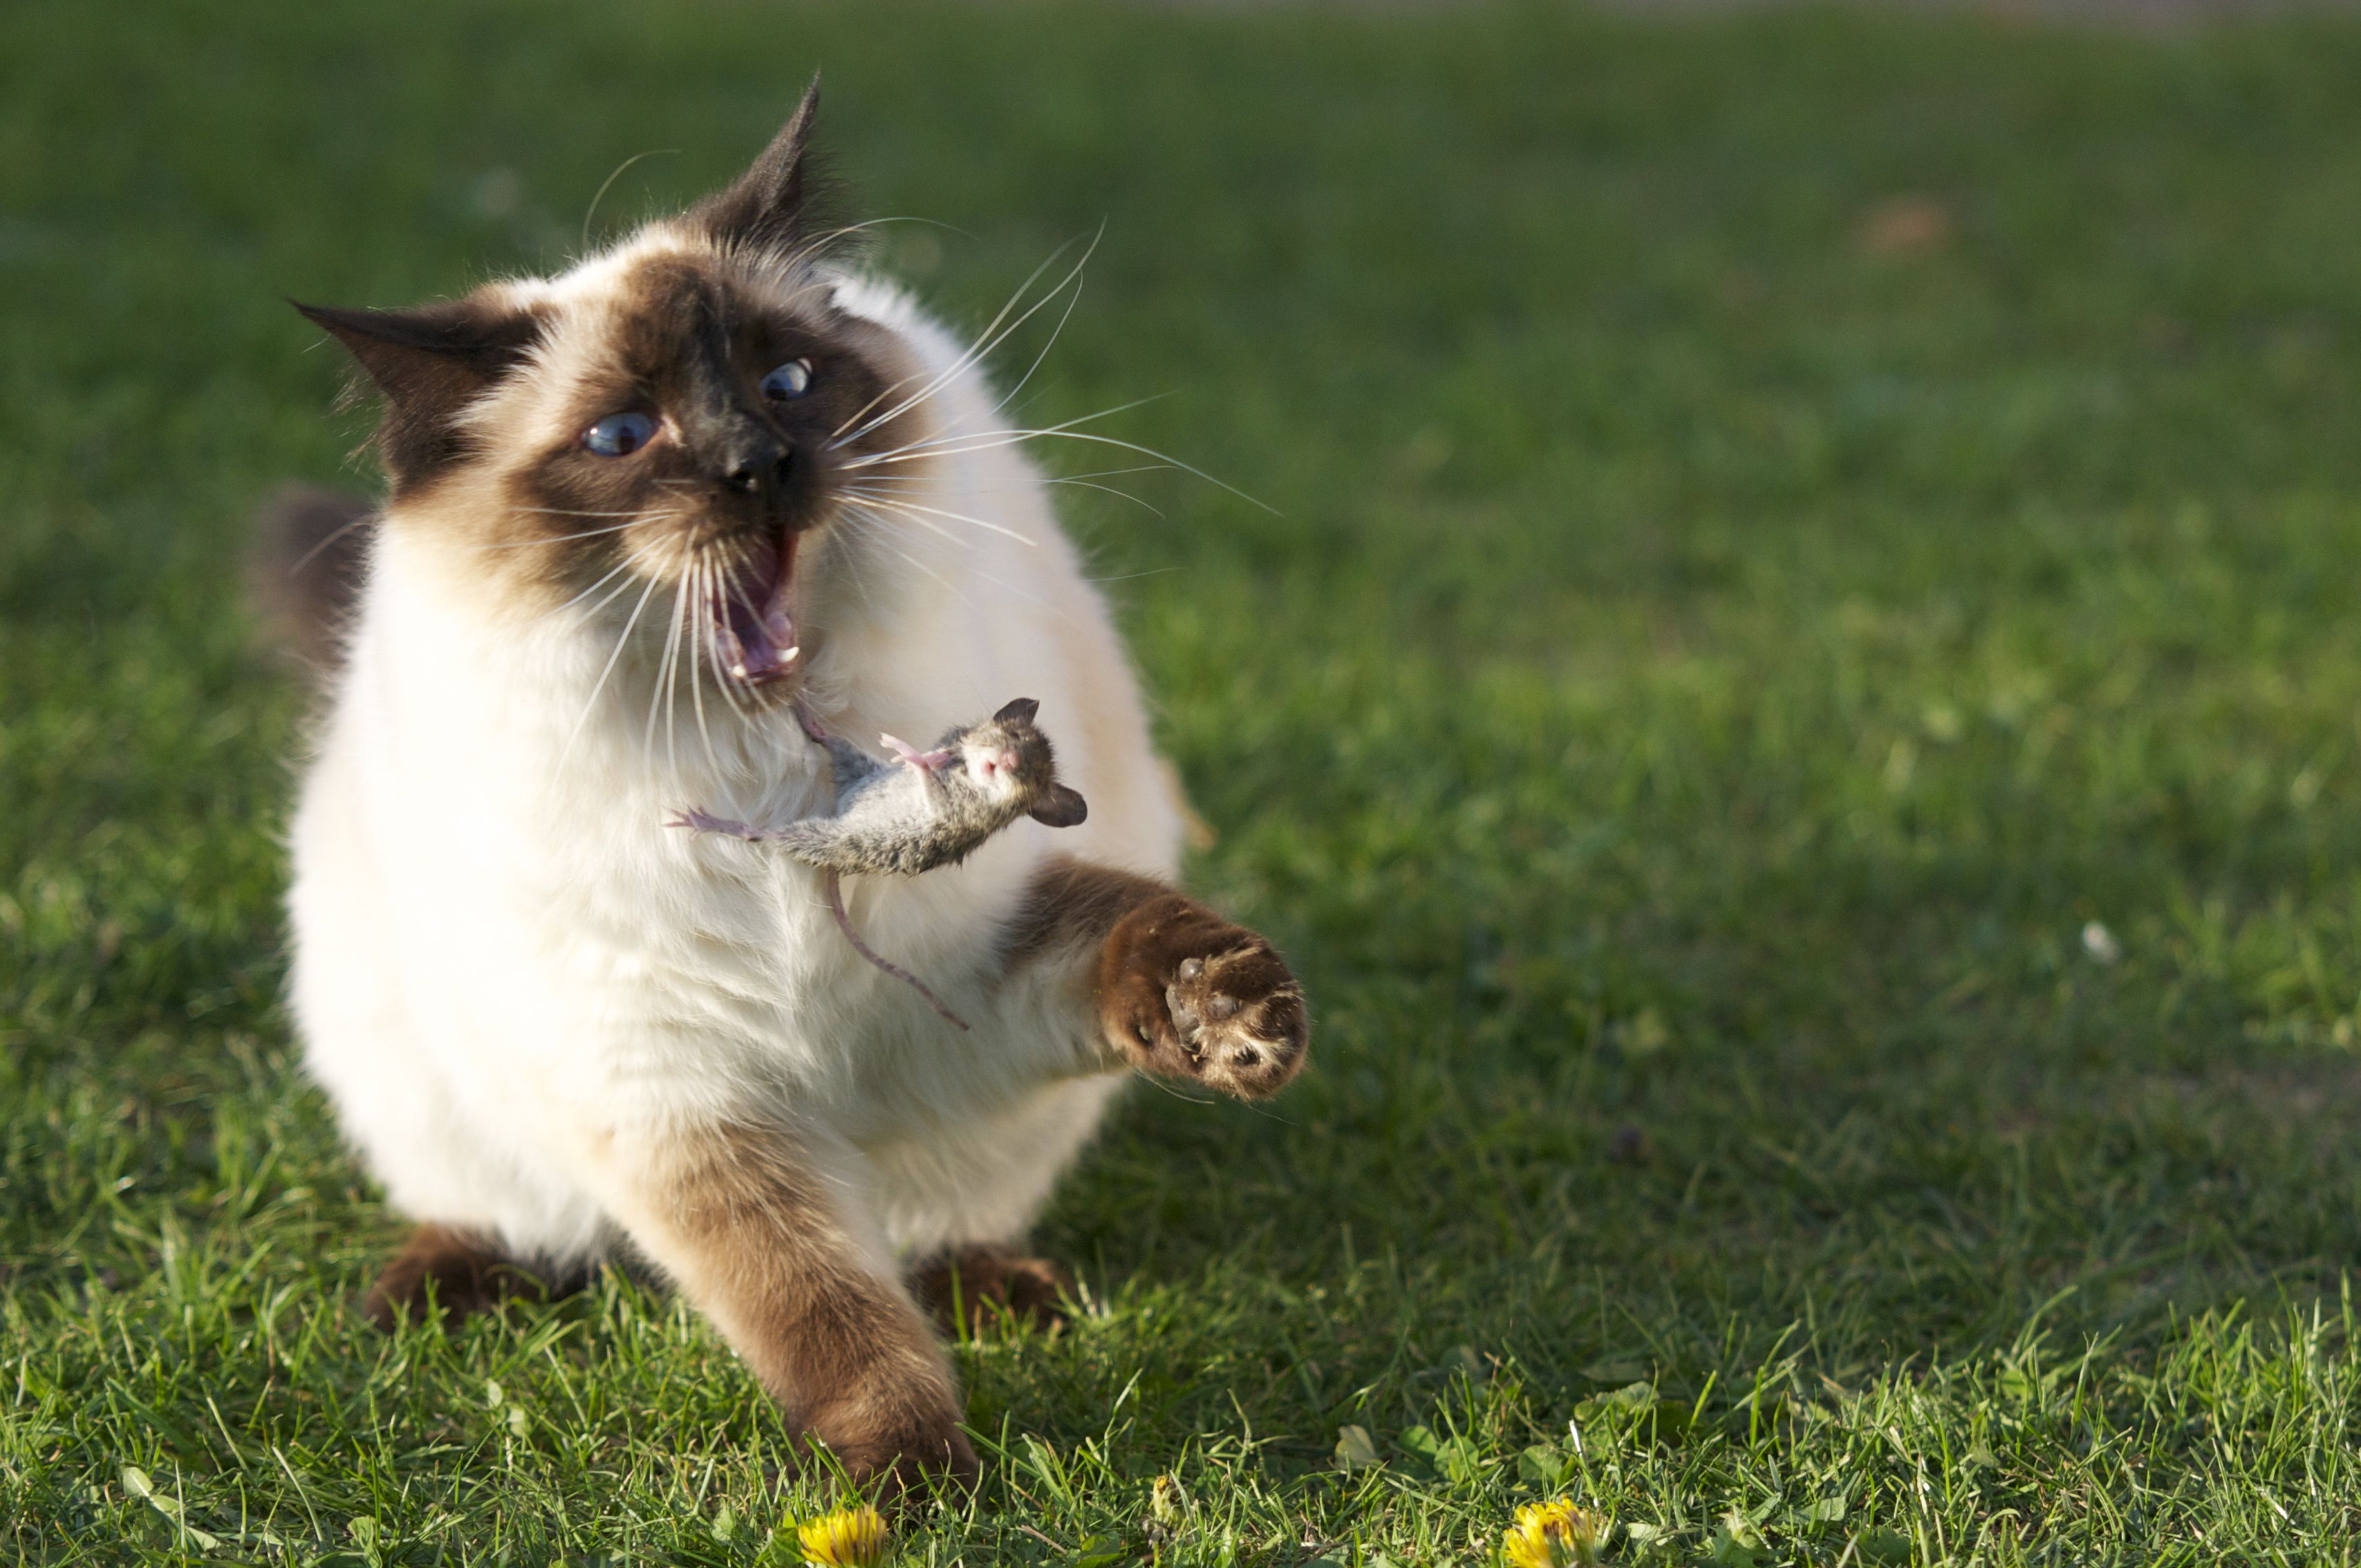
column 665, row 433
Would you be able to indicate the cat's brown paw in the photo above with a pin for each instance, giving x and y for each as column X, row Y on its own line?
column 1185, row 993
column 977, row 1286
column 443, row 1267
column 891, row 1449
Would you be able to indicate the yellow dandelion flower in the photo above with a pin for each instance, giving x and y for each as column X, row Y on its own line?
column 848, row 1538
column 1553, row 1535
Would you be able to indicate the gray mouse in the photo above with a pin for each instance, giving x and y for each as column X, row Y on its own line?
column 926, row 808
column 922, row 810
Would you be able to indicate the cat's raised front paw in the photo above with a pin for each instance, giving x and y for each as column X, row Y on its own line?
column 1188, row 994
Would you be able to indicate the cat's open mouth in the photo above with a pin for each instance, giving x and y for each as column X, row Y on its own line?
column 753, row 629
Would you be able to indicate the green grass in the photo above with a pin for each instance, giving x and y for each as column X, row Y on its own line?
column 1701, row 680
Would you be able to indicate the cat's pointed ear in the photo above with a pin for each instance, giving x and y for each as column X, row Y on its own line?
column 430, row 363
column 763, row 209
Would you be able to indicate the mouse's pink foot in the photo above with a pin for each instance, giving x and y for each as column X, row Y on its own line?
column 925, row 762
column 703, row 822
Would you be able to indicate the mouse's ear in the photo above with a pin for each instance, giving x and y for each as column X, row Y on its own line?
column 1061, row 808
column 1021, row 711
column 763, row 209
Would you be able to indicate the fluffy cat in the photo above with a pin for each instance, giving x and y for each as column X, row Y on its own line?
column 642, row 518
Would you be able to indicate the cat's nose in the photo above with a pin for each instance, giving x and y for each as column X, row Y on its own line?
column 763, row 472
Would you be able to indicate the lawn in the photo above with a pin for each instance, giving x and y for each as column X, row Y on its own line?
column 1799, row 709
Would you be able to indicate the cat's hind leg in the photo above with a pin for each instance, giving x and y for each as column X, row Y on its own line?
column 459, row 1270
column 972, row 1288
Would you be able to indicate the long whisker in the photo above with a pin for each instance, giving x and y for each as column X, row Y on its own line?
column 631, row 559
column 932, row 485
column 665, row 673
column 587, row 707
column 900, row 505
column 722, row 581
column 562, row 538
column 838, row 438
column 1059, row 330
column 672, row 683
column 701, row 639
column 870, row 459
column 1113, row 490
column 993, row 336
column 305, row 559
column 878, row 533
column 592, row 210
column 1013, row 437
column 936, row 531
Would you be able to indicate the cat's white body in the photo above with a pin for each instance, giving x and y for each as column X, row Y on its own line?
column 503, row 957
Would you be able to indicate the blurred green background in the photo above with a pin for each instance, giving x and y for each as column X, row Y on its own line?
column 1796, row 712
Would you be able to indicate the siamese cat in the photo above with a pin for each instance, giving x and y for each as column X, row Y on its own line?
column 655, row 528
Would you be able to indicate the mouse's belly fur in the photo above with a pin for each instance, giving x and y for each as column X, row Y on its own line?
column 502, row 960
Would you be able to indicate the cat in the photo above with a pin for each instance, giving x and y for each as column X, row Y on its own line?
column 641, row 518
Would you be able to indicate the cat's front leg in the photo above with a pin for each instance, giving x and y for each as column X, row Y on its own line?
column 745, row 1219
column 1177, row 990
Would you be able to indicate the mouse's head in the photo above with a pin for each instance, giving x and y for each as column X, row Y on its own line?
column 1006, row 759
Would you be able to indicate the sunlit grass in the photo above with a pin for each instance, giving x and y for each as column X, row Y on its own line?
column 1797, row 713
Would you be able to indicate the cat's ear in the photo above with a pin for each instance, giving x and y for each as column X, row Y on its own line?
column 430, row 363
column 763, row 208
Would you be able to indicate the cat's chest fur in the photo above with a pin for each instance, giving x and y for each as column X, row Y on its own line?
column 515, row 823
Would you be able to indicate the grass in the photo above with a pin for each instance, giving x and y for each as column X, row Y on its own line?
column 1807, row 748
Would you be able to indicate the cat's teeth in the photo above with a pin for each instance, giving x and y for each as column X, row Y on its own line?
column 789, row 656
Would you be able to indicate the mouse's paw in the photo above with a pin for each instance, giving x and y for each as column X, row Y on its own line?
column 1185, row 993
column 705, row 822
column 932, row 761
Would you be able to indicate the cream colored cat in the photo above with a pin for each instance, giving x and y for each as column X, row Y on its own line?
column 642, row 516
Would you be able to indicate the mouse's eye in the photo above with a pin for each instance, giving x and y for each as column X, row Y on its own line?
column 618, row 435
column 791, row 379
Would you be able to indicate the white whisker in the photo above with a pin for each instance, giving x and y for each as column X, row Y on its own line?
column 665, row 673
column 1013, row 437
column 1059, row 330
column 1112, row 490
column 993, row 336
column 587, row 707
column 1018, row 433
column 703, row 640
column 907, row 505
column 630, row 560
column 878, row 535
column 562, row 538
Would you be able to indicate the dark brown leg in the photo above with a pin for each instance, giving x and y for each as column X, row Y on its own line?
column 743, row 1222
column 1180, row 992
column 974, row 1287
column 459, row 1271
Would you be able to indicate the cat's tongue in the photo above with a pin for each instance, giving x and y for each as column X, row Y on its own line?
column 753, row 630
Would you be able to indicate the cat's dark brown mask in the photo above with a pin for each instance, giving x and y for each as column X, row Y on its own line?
column 680, row 412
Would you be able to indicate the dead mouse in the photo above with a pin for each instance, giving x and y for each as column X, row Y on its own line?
column 922, row 810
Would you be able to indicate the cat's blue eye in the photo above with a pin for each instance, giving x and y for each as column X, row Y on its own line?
column 618, row 435
column 791, row 379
